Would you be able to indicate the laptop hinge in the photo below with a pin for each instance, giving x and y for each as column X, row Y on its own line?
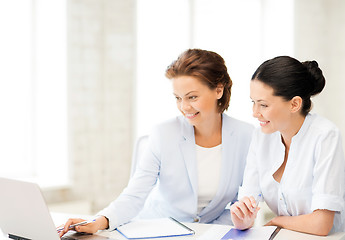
column 17, row 237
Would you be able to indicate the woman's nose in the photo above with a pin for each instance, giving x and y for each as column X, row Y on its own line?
column 256, row 113
column 185, row 105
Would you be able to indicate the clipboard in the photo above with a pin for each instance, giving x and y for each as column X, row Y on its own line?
column 154, row 228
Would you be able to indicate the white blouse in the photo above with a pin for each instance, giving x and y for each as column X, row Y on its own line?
column 209, row 166
column 314, row 176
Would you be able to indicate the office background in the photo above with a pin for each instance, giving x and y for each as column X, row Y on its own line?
column 110, row 61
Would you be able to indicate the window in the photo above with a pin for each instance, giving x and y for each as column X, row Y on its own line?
column 244, row 33
column 33, row 122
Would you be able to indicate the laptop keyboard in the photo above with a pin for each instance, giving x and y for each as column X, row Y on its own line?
column 69, row 238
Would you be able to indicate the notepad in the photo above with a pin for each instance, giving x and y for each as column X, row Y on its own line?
column 154, row 228
column 259, row 233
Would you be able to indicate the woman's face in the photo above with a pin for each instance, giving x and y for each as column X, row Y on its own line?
column 196, row 101
column 273, row 112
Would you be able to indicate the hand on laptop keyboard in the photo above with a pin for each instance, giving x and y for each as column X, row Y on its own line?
column 93, row 226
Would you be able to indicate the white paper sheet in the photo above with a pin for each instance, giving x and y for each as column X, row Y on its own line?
column 152, row 228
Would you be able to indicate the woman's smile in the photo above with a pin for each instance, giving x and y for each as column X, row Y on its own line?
column 191, row 115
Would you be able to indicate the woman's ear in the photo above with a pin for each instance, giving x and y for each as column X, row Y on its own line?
column 219, row 90
column 296, row 104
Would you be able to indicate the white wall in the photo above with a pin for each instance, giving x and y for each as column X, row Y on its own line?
column 320, row 36
column 101, row 71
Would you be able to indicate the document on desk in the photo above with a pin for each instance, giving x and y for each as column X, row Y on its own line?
column 154, row 228
column 257, row 233
column 215, row 232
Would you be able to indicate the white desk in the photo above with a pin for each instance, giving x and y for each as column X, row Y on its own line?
column 202, row 229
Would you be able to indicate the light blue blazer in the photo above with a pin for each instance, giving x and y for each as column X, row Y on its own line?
column 166, row 180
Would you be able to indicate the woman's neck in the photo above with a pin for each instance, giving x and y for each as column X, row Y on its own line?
column 292, row 130
column 210, row 133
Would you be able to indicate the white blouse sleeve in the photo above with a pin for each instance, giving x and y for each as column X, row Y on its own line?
column 329, row 173
column 251, row 185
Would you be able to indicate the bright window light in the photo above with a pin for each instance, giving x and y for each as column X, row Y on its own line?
column 244, row 33
column 33, row 91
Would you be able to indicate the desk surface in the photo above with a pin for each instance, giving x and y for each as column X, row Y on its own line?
column 203, row 231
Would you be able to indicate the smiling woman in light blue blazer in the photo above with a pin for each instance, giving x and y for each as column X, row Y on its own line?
column 194, row 163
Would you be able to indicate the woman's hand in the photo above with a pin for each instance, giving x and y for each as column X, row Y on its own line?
column 243, row 212
column 99, row 224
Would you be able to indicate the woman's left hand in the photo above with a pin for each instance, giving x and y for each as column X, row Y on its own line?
column 243, row 212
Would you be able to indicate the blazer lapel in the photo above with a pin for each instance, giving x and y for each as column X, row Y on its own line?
column 229, row 141
column 187, row 146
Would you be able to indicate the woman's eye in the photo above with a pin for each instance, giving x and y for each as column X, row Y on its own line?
column 178, row 98
column 263, row 105
column 192, row 97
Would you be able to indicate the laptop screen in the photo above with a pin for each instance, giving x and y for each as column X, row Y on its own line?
column 24, row 212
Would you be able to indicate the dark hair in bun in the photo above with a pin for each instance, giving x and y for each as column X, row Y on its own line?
column 289, row 78
column 316, row 76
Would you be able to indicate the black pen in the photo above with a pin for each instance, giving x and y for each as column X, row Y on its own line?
column 191, row 230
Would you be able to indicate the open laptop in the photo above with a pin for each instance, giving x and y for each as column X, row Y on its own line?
column 24, row 214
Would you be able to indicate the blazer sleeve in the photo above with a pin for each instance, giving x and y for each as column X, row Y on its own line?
column 133, row 197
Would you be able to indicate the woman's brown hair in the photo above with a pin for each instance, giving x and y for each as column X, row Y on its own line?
column 209, row 67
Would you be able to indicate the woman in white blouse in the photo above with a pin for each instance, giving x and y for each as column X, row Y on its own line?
column 295, row 161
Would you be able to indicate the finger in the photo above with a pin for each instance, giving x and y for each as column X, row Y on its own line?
column 253, row 203
column 248, row 201
column 88, row 228
column 255, row 213
column 60, row 227
column 243, row 208
column 246, row 206
column 236, row 211
column 70, row 222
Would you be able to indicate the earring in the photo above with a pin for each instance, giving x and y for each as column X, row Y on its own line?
column 220, row 104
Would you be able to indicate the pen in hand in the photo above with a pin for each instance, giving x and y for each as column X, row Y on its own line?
column 77, row 224
column 257, row 200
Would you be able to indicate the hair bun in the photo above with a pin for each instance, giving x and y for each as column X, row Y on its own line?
column 316, row 77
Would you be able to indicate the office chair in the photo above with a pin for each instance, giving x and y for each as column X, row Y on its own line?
column 139, row 148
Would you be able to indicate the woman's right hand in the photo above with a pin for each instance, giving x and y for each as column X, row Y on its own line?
column 100, row 223
column 243, row 212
